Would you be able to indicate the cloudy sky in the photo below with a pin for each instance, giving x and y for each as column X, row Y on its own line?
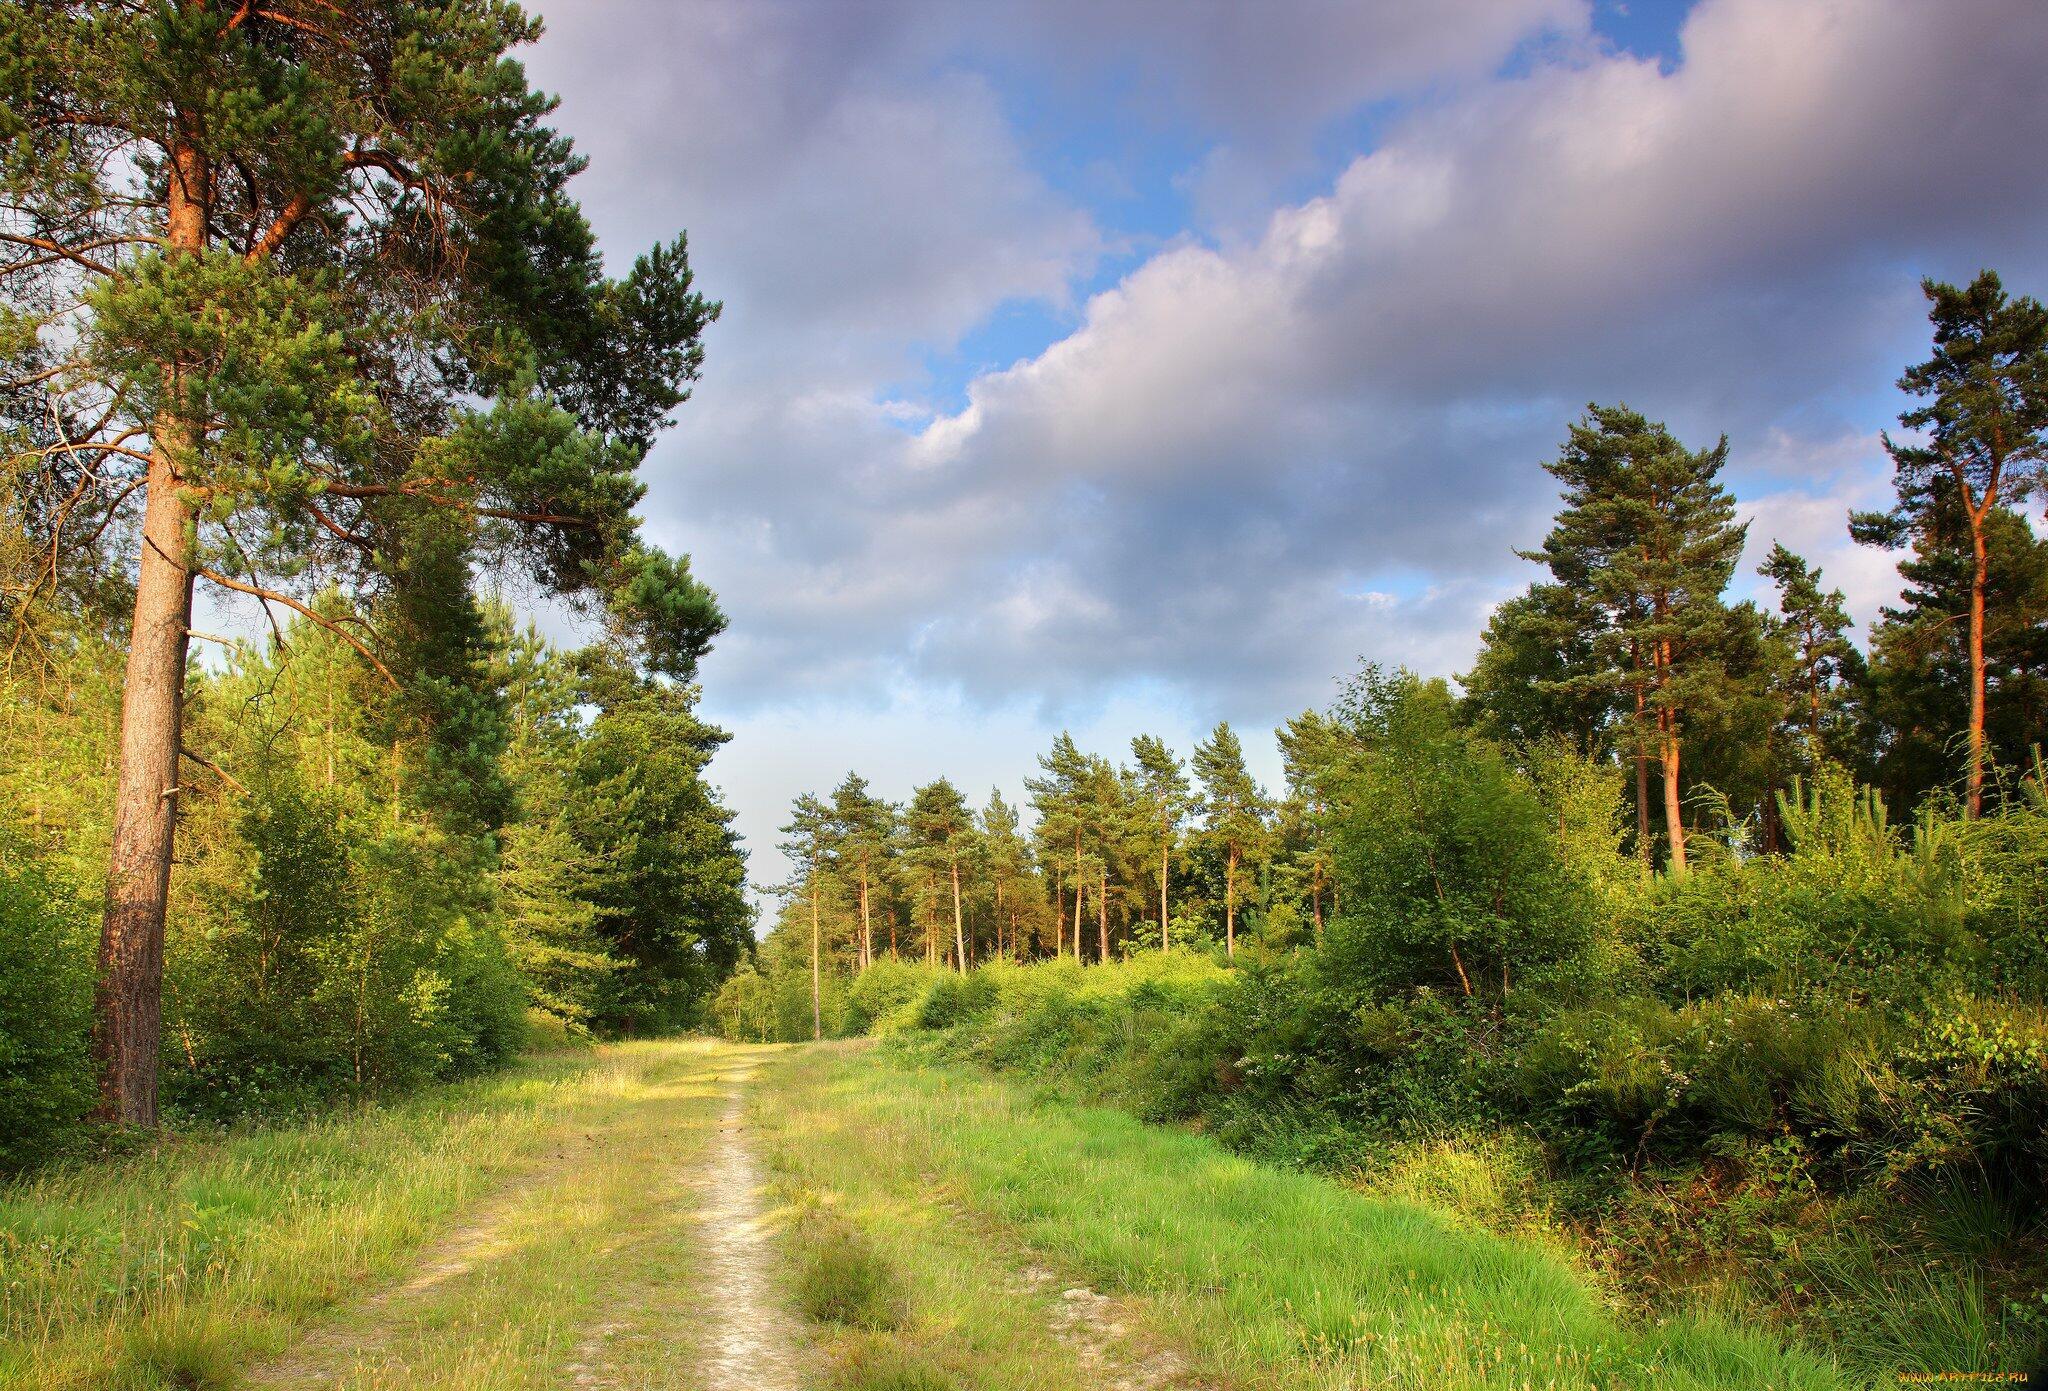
column 1127, row 366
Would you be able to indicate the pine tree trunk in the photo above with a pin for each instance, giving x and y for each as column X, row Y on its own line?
column 1102, row 911
column 1674, row 826
column 1230, row 903
column 867, row 931
column 959, row 923
column 817, row 1015
column 1164, row 944
column 1642, row 776
column 128, row 994
column 1077, row 895
column 1973, row 805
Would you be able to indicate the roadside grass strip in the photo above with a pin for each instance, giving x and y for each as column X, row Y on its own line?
column 482, row 1235
column 1260, row 1277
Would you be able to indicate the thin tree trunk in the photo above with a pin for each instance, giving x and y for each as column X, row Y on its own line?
column 867, row 931
column 817, row 1015
column 959, row 924
column 1979, row 576
column 1642, row 770
column 1102, row 910
column 1674, row 826
column 128, row 993
column 1230, row 903
column 1316, row 898
column 1078, row 883
column 1165, row 847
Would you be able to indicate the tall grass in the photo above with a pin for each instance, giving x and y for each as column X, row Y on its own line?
column 177, row 1266
column 1276, row 1278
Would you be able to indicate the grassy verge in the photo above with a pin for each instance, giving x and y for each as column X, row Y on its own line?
column 1258, row 1276
column 910, row 1288
column 204, row 1264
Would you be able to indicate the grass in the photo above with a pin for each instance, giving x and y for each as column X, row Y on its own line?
column 528, row 1209
column 841, row 1277
column 1261, row 1277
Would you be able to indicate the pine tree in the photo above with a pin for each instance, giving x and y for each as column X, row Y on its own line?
column 1234, row 810
column 1983, row 450
column 1648, row 536
column 1008, row 864
column 1314, row 750
column 1058, row 796
column 941, row 832
column 1164, row 791
column 304, row 282
column 1920, row 665
column 1821, row 669
column 864, row 829
column 809, row 844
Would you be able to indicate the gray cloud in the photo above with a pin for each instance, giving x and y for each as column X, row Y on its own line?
column 1316, row 435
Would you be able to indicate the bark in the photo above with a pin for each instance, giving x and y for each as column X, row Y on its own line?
column 867, row 932
column 959, row 923
column 1078, row 882
column 1102, row 916
column 817, row 1015
column 1165, row 847
column 1673, row 825
column 1230, row 903
column 1979, row 576
column 128, row 994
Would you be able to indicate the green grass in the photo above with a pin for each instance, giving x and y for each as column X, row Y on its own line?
column 1261, row 1277
column 841, row 1278
column 548, row 1204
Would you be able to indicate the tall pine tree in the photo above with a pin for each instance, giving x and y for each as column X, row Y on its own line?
column 1648, row 537
column 303, row 282
column 1982, row 450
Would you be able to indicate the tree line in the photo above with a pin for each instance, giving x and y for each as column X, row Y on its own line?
column 297, row 313
column 1629, row 654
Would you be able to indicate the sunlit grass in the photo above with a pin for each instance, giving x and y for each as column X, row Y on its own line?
column 189, row 1264
column 1265, row 1276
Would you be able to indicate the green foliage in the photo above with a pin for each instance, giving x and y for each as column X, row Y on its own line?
column 1453, row 877
column 45, row 1085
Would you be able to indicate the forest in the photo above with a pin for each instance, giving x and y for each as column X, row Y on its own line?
column 1688, row 922
column 1663, row 1000
column 303, row 336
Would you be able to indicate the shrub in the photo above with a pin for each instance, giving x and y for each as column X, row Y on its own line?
column 45, row 998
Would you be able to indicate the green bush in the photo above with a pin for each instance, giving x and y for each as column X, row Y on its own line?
column 45, row 998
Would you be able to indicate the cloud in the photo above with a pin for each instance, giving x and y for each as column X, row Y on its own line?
column 1234, row 442
column 1303, row 431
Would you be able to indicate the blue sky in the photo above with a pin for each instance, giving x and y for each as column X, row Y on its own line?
column 1129, row 367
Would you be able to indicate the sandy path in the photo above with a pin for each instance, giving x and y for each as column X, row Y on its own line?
column 750, row 1345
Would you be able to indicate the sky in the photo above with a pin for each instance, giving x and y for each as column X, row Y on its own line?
column 1122, row 367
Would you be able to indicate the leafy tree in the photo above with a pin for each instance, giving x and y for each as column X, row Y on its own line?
column 304, row 282
column 1167, row 798
column 1446, row 852
column 1234, row 811
column 1984, row 425
column 1648, row 536
column 1825, row 663
column 942, row 832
